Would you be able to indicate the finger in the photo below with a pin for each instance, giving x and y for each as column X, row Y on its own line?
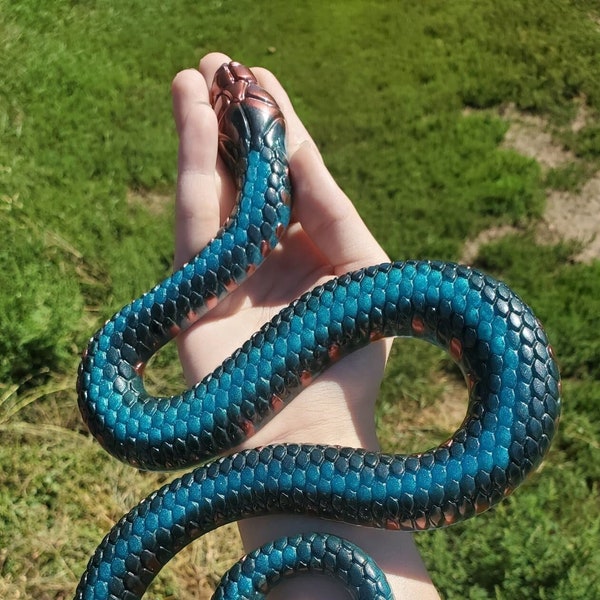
column 297, row 134
column 226, row 188
column 329, row 217
column 326, row 213
column 197, row 213
column 210, row 63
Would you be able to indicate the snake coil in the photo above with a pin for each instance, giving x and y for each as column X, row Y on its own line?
column 512, row 377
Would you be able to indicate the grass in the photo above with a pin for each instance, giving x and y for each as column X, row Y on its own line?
column 87, row 173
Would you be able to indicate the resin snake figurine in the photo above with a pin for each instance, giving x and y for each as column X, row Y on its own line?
column 513, row 382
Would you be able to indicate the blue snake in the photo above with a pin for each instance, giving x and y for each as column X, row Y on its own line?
column 511, row 374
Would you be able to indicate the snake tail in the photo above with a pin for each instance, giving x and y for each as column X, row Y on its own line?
column 260, row 571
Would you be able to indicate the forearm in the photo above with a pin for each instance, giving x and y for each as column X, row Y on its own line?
column 345, row 418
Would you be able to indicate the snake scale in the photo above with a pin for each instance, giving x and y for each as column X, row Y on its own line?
column 511, row 375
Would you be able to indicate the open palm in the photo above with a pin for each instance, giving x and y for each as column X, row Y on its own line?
column 326, row 239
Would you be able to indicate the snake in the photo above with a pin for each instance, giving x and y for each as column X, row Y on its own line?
column 512, row 377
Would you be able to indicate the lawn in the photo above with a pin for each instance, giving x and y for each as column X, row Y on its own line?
column 411, row 104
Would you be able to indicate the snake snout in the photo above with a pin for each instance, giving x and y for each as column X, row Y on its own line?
column 248, row 115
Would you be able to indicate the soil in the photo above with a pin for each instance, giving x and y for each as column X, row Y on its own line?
column 569, row 216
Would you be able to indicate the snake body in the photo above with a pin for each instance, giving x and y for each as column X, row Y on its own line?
column 512, row 377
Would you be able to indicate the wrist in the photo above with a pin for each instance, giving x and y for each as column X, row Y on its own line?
column 337, row 408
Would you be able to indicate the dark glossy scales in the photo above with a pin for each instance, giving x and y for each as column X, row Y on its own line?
column 325, row 554
column 513, row 411
column 163, row 432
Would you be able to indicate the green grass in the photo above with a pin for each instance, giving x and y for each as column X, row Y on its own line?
column 402, row 98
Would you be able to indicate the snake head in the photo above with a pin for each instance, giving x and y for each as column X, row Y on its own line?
column 248, row 116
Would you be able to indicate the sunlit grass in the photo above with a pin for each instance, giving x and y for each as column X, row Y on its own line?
column 87, row 174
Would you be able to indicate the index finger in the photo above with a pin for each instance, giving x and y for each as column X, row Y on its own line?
column 197, row 215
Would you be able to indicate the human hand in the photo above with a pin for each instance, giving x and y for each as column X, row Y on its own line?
column 326, row 239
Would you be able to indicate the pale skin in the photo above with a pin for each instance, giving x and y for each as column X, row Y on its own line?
column 328, row 238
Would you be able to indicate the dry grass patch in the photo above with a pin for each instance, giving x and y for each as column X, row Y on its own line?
column 575, row 217
column 572, row 216
column 530, row 135
column 156, row 203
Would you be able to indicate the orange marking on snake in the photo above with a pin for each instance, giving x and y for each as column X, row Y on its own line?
column 471, row 381
column 375, row 335
column 248, row 427
column 265, row 248
column 139, row 368
column 334, row 352
column 449, row 519
column 305, row 378
column 210, row 302
column 192, row 317
column 456, row 349
column 418, row 325
column 392, row 524
column 231, row 285
column 276, row 403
